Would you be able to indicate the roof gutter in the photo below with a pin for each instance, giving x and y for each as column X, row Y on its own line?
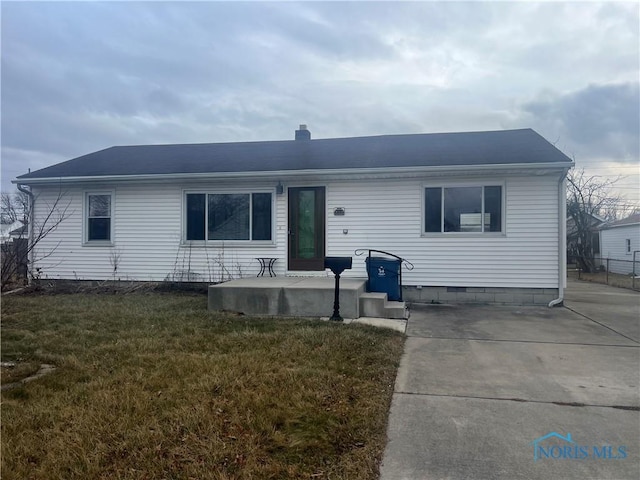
column 562, row 239
column 340, row 172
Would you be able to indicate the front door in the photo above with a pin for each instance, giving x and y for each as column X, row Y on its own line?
column 306, row 228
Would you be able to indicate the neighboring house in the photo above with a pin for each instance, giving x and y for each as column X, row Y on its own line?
column 21, row 232
column 10, row 231
column 482, row 213
column 13, row 254
column 618, row 241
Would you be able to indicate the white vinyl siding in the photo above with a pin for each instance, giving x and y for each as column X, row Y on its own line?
column 148, row 238
column 379, row 214
column 387, row 215
column 613, row 245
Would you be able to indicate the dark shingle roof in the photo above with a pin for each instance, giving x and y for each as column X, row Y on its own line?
column 437, row 149
column 19, row 232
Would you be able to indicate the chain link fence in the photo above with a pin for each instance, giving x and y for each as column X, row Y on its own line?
column 13, row 261
column 617, row 272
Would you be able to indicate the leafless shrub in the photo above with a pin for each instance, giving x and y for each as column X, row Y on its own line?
column 19, row 261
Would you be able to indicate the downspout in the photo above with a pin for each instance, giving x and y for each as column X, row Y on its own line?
column 30, row 227
column 562, row 240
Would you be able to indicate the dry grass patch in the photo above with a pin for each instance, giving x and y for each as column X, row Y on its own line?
column 18, row 371
column 154, row 386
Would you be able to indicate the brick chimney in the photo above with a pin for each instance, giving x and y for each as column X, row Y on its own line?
column 302, row 133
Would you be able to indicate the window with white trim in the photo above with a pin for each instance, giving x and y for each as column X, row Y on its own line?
column 229, row 216
column 464, row 209
column 627, row 245
column 98, row 217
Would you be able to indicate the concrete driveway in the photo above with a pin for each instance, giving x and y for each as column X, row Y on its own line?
column 479, row 387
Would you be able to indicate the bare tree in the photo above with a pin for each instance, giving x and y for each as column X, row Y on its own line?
column 590, row 201
column 16, row 261
column 14, row 207
column 8, row 213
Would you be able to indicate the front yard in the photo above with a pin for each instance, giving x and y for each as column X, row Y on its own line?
column 155, row 386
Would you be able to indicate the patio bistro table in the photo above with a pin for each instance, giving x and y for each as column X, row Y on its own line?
column 266, row 265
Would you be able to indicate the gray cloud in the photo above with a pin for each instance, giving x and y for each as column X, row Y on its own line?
column 596, row 121
column 78, row 77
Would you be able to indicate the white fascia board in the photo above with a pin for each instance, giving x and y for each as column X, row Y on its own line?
column 343, row 173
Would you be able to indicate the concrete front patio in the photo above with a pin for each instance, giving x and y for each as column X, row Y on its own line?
column 286, row 296
column 302, row 297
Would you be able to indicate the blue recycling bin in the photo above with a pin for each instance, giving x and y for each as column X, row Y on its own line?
column 384, row 276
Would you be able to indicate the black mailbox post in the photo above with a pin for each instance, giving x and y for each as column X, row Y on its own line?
column 337, row 265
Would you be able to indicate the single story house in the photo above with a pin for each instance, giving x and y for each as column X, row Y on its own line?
column 618, row 241
column 481, row 215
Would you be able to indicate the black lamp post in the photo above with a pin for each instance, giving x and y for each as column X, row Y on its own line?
column 337, row 265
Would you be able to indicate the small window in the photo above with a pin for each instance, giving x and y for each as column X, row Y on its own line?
column 433, row 209
column 628, row 245
column 226, row 216
column 99, row 217
column 195, row 216
column 261, row 216
column 463, row 209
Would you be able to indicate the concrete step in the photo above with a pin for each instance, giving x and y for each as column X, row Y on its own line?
column 372, row 304
column 375, row 304
column 396, row 310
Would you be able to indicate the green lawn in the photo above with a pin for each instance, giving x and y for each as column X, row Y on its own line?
column 154, row 386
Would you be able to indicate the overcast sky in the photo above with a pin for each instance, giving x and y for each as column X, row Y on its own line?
column 79, row 77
